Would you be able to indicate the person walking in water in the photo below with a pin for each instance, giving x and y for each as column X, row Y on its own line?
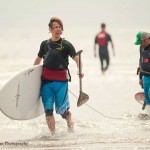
column 143, row 39
column 102, row 39
column 54, row 90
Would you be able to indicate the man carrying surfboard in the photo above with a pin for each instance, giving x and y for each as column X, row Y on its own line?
column 143, row 39
column 55, row 52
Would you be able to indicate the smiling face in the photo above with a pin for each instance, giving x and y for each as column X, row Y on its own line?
column 56, row 31
column 55, row 28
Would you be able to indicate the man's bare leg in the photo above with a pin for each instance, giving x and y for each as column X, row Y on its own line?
column 51, row 123
column 70, row 123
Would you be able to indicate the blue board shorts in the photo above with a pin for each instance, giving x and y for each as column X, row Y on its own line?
column 55, row 92
column 146, row 85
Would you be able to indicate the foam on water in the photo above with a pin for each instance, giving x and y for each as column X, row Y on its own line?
column 130, row 130
column 111, row 95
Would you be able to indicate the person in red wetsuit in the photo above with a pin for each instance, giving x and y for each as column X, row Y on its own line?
column 102, row 39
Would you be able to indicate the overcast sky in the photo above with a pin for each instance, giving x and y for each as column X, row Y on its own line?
column 36, row 13
column 24, row 23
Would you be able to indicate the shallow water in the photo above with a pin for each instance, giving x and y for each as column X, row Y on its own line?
column 111, row 95
column 109, row 120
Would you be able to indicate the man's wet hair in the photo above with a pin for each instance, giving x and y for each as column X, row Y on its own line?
column 55, row 19
column 103, row 25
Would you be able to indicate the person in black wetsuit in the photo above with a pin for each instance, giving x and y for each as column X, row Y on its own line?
column 102, row 39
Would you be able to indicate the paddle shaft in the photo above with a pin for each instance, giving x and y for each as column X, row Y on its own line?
column 80, row 71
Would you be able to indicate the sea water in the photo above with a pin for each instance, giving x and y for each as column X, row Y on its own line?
column 109, row 120
column 111, row 123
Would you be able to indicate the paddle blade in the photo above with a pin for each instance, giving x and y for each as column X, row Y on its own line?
column 83, row 98
column 140, row 97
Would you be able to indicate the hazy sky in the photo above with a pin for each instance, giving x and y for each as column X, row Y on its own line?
column 26, row 21
column 36, row 13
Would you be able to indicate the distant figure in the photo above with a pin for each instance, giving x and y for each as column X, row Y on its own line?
column 102, row 39
column 143, row 39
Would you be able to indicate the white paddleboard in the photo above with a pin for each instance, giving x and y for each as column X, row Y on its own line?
column 20, row 96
